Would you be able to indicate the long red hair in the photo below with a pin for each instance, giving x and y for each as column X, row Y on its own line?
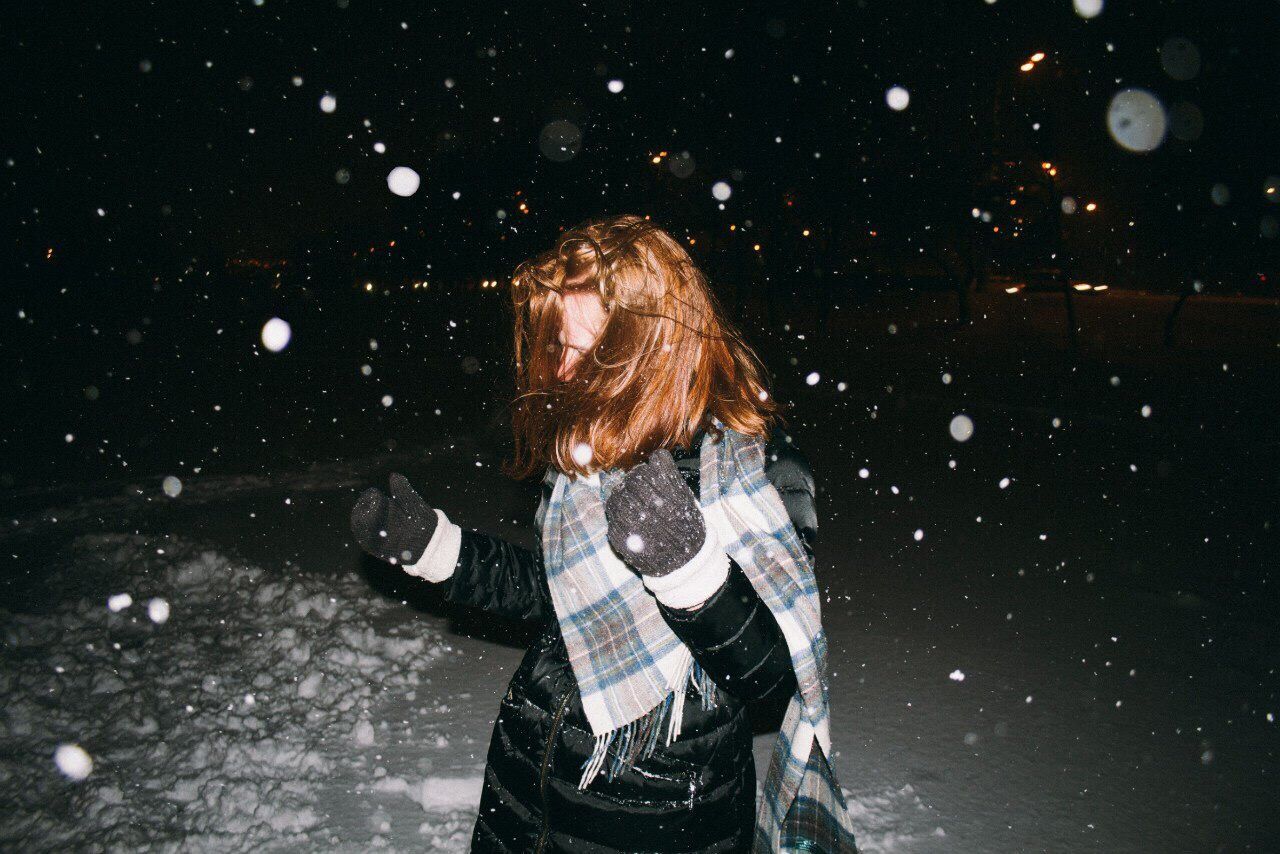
column 665, row 361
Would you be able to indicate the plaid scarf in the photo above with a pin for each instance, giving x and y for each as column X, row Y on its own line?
column 633, row 671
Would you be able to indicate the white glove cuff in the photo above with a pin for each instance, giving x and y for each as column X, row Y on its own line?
column 693, row 583
column 441, row 554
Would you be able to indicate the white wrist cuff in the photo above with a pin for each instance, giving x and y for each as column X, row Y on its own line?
column 441, row 554
column 693, row 583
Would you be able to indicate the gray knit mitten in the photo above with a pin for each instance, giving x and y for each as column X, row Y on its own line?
column 395, row 528
column 655, row 524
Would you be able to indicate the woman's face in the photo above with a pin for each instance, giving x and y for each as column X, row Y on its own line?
column 584, row 317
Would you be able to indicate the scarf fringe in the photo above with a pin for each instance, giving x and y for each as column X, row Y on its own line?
column 637, row 740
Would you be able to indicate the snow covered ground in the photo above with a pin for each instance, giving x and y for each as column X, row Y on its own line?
column 225, row 707
column 1078, row 651
column 250, row 710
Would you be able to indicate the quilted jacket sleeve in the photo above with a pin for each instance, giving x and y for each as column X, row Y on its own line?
column 500, row 577
column 735, row 638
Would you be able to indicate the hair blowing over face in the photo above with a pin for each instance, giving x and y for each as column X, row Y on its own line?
column 665, row 361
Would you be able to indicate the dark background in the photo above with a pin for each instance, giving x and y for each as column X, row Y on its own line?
column 146, row 111
column 1104, row 542
column 135, row 331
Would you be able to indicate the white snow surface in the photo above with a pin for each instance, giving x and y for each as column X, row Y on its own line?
column 289, row 706
column 235, row 725
column 276, row 710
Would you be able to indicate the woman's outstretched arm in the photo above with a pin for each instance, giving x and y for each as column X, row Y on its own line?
column 499, row 577
column 486, row 572
column 481, row 570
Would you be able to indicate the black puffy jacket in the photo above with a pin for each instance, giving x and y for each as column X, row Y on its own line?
column 696, row 794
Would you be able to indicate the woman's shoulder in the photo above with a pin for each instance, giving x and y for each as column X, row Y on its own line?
column 785, row 463
column 789, row 471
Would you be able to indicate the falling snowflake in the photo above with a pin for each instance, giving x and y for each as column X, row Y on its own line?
column 961, row 428
column 403, row 181
column 560, row 141
column 1088, row 8
column 73, row 761
column 276, row 334
column 158, row 610
column 1136, row 120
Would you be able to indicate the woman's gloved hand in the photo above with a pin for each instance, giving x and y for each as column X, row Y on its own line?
column 395, row 528
column 655, row 524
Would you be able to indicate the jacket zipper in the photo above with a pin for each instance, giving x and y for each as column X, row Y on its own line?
column 546, row 766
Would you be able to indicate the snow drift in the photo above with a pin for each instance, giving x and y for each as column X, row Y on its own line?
column 227, row 725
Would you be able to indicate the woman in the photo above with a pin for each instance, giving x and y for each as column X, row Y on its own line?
column 674, row 575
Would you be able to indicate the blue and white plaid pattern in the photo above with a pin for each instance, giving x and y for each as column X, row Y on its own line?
column 627, row 661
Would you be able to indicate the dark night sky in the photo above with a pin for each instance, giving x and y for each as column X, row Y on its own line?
column 182, row 121
column 205, row 362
